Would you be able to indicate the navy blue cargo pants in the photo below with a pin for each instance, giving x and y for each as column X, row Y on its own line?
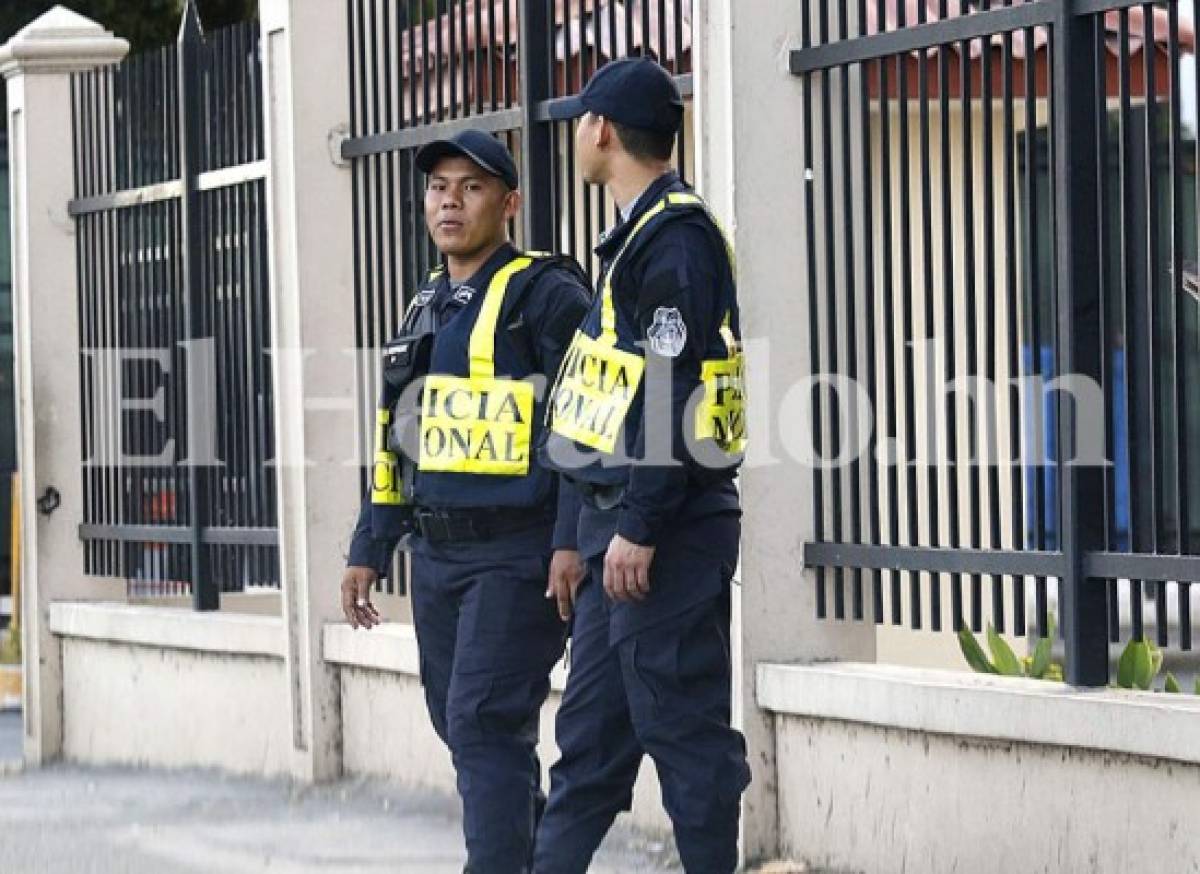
column 663, row 690
column 488, row 639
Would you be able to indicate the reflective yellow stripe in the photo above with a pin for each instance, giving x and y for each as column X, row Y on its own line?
column 681, row 198
column 385, row 470
column 483, row 335
column 479, row 424
column 608, row 312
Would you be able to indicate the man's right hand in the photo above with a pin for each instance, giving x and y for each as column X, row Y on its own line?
column 566, row 573
column 356, row 597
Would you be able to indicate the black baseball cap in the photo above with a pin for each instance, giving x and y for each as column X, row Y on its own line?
column 491, row 155
column 635, row 92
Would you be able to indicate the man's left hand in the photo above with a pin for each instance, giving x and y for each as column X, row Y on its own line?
column 627, row 570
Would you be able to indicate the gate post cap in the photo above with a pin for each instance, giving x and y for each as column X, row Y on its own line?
column 60, row 41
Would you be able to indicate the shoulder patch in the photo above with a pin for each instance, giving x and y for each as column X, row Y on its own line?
column 668, row 333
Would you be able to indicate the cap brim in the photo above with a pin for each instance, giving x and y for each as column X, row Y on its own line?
column 567, row 109
column 429, row 154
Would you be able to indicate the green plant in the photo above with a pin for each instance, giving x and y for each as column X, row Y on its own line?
column 1004, row 661
column 1139, row 664
column 10, row 647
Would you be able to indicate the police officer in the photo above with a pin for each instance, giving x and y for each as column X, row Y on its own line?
column 658, row 354
column 455, row 470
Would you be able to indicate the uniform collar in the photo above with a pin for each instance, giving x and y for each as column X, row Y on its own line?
column 479, row 280
column 612, row 241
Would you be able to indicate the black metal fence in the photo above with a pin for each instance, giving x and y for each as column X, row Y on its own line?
column 1013, row 181
column 177, row 426
column 422, row 71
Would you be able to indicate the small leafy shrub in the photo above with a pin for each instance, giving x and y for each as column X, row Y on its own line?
column 1004, row 661
column 1140, row 663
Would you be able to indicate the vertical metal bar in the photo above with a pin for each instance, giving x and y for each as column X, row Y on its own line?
column 240, row 342
column 889, row 319
column 158, row 338
column 677, row 10
column 508, row 60
column 571, row 84
column 204, row 593
column 645, row 8
column 663, row 56
column 111, row 261
column 252, row 351
column 491, row 55
column 231, row 378
column 602, row 201
column 138, row 249
column 1128, row 243
column 465, row 67
column 628, row 13
column 1107, row 340
column 870, row 303
column 1179, row 335
column 989, row 425
column 1079, row 301
column 1155, row 442
column 970, row 313
column 906, row 267
column 831, row 327
column 583, row 43
column 452, row 57
column 1034, row 318
column 1012, row 298
column 948, row 327
column 814, row 331
column 439, row 60
column 537, row 69
column 212, row 211
column 930, row 364
column 391, row 302
column 850, row 333
column 479, row 55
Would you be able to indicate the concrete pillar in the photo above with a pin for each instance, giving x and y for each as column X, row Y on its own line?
column 37, row 64
column 311, row 261
column 751, row 170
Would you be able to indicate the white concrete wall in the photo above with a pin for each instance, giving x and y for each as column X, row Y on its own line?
column 886, row 770
column 306, row 83
column 173, row 688
column 750, row 124
column 386, row 730
column 37, row 64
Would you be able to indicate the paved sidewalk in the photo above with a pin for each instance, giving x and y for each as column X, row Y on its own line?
column 123, row 821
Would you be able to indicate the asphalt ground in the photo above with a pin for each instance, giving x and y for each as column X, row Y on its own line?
column 71, row 819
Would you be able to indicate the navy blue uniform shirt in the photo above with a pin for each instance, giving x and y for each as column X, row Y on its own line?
column 533, row 336
column 678, row 262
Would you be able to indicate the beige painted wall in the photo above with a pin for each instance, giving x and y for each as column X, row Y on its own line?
column 150, row 706
column 863, row 798
column 387, row 734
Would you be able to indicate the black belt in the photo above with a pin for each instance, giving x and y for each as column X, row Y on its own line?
column 600, row 497
column 453, row 526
